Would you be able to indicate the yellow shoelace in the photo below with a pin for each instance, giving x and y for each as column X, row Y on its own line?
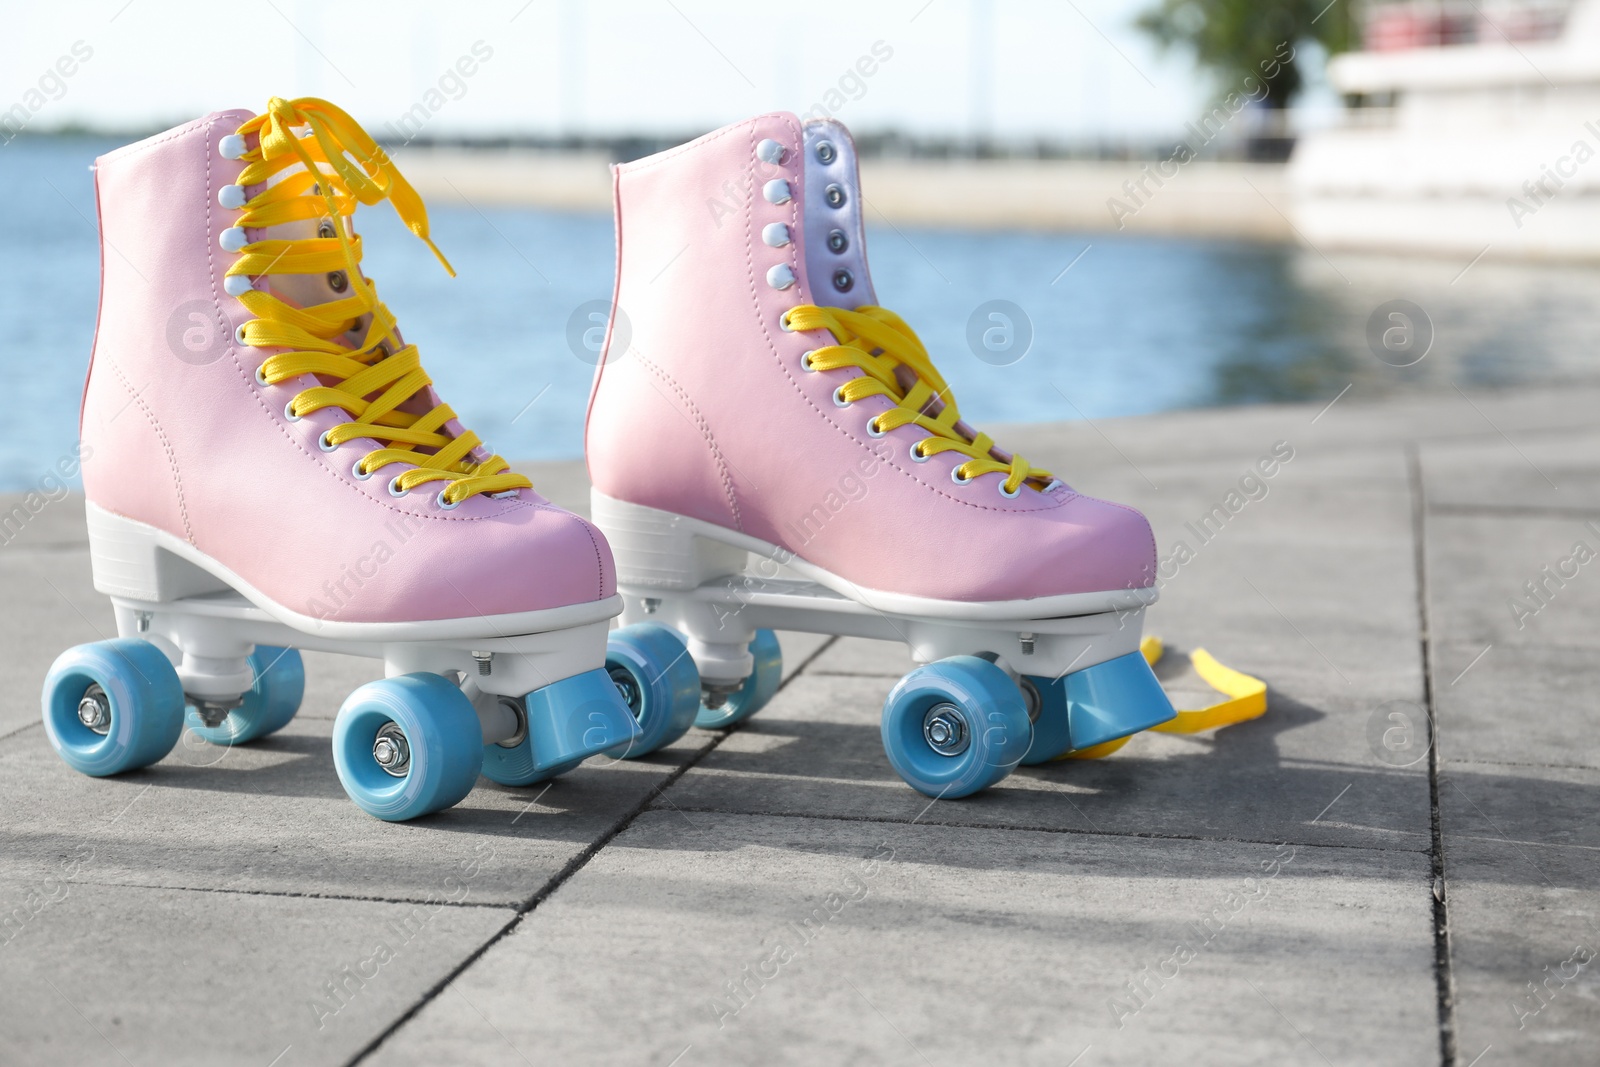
column 375, row 382
column 878, row 341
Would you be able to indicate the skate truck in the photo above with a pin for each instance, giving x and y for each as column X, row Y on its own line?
column 268, row 468
column 771, row 449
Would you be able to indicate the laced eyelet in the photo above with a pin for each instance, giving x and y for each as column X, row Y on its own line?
column 394, row 487
column 323, row 442
column 805, row 362
column 288, row 412
column 232, row 147
column 358, row 474
column 237, row 285
column 838, row 400
column 325, row 229
column 238, row 339
column 917, row 455
column 259, row 379
column 955, row 476
column 445, row 505
column 872, row 428
column 337, row 281
column 1011, row 495
column 231, row 197
column 783, row 323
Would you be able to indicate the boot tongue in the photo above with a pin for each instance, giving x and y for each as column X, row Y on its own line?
column 836, row 249
column 308, row 290
column 836, row 246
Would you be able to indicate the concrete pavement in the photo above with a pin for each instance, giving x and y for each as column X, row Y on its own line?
column 1334, row 882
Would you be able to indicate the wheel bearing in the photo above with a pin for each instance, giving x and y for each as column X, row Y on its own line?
column 945, row 730
column 391, row 751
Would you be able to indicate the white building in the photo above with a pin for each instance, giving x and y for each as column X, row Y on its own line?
column 1488, row 146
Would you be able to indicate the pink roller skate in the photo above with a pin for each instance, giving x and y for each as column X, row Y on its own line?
column 268, row 469
column 772, row 450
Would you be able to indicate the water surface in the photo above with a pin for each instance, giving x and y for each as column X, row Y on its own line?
column 1120, row 325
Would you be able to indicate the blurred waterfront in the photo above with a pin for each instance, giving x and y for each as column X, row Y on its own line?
column 1121, row 324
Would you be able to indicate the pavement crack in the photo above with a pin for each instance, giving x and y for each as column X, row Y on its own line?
column 1444, row 975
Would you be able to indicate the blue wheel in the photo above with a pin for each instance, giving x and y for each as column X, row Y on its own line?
column 268, row 706
column 112, row 706
column 956, row 726
column 756, row 691
column 407, row 746
column 656, row 677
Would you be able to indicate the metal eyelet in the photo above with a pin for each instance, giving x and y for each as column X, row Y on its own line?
column 805, row 362
column 1009, row 496
column 826, row 153
column 783, row 323
column 288, row 412
column 872, row 428
column 917, row 455
column 337, row 281
column 838, row 400
column 843, row 280
column 955, row 476
column 326, row 229
column 323, row 442
column 394, row 487
column 834, row 195
column 445, row 505
column 259, row 379
column 238, row 339
column 358, row 474
column 837, row 241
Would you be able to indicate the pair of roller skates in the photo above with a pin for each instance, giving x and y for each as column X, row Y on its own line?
column 268, row 469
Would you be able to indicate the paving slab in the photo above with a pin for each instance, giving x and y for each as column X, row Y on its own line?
column 1485, row 565
column 737, row 939
column 102, row 974
column 1545, row 470
column 1523, row 857
column 1520, row 776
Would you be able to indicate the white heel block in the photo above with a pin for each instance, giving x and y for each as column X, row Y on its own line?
column 128, row 561
column 659, row 550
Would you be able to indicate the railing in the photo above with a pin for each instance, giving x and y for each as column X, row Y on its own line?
column 1393, row 27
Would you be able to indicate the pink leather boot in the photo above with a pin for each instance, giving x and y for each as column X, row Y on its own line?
column 268, row 468
column 771, row 449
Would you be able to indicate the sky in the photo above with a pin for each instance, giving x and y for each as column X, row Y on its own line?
column 1069, row 69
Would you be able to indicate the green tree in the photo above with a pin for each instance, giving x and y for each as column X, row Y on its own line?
column 1236, row 38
